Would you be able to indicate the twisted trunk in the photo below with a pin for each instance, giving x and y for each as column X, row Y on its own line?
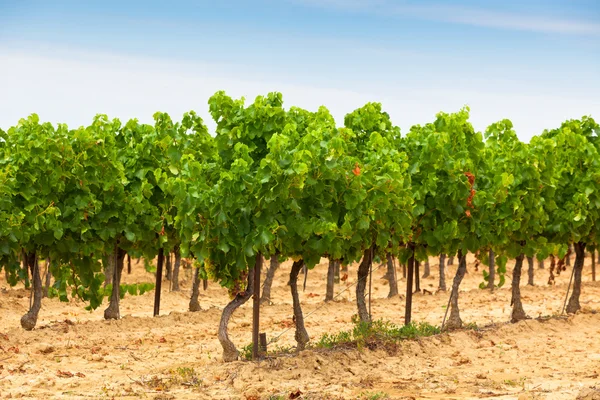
column 540, row 263
column 451, row 260
column 361, row 284
column 492, row 275
column 194, row 303
column 330, row 280
column 230, row 352
column 113, row 312
column 301, row 335
column 266, row 294
column 29, row 320
column 518, row 314
column 574, row 305
column 454, row 321
column 128, row 264
column 442, row 272
column 391, row 272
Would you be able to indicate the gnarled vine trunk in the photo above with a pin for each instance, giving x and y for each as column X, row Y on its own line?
column 454, row 321
column 230, row 352
column 273, row 266
column 530, row 272
column 442, row 284
column 541, row 263
column 492, row 271
column 29, row 320
column 194, row 303
column 176, row 265
column 451, row 260
column 330, row 280
column 301, row 335
column 518, row 314
column 113, row 312
column 574, row 305
column 361, row 284
column 391, row 273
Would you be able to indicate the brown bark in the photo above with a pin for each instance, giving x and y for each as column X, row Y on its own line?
column 266, row 293
column 391, row 272
column 109, row 269
column 417, row 280
column 593, row 265
column 301, row 334
column 454, row 321
column 574, row 305
column 361, row 284
column 230, row 352
column 442, row 285
column 426, row 269
column 518, row 314
column 492, row 271
column 47, row 278
column 194, row 303
column 168, row 266
column 113, row 312
column 256, row 308
column 176, row 265
column 158, row 284
column 29, row 320
column 330, row 280
column 409, row 282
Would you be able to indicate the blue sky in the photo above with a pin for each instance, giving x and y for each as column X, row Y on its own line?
column 534, row 62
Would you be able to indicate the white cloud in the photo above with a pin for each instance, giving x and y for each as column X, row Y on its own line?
column 464, row 15
column 73, row 87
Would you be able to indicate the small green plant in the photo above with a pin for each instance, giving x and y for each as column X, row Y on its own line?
column 364, row 333
column 246, row 352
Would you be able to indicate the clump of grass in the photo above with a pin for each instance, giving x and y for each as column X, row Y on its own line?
column 378, row 331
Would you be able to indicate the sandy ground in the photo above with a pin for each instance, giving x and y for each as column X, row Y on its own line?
column 75, row 354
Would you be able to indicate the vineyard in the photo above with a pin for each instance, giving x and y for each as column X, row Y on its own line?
column 410, row 245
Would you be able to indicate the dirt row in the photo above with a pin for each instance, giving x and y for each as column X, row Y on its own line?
column 75, row 354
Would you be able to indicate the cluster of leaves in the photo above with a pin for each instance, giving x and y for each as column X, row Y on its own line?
column 289, row 182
